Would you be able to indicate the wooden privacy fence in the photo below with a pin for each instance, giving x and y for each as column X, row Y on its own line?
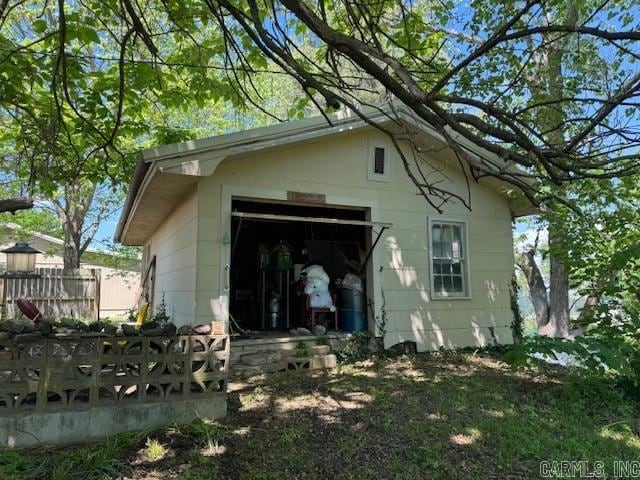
column 56, row 292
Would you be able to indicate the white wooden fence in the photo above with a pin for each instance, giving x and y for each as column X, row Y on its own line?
column 56, row 292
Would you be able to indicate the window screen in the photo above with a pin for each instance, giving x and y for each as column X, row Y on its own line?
column 448, row 267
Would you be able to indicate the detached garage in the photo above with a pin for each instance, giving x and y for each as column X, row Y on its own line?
column 236, row 223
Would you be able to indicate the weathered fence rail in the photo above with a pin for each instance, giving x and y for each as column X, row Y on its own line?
column 56, row 292
column 57, row 390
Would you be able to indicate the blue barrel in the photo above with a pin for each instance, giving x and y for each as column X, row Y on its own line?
column 351, row 320
column 351, row 299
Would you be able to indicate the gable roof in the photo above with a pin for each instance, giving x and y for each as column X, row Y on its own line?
column 173, row 169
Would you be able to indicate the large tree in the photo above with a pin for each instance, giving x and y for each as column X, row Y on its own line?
column 473, row 85
column 72, row 126
column 510, row 77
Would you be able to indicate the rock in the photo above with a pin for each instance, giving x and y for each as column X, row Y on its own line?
column 202, row 329
column 302, row 331
column 119, row 332
column 63, row 331
column 16, row 326
column 170, row 329
column 95, row 327
column 320, row 350
column 184, row 330
column 319, row 330
column 29, row 328
column 152, row 332
column 149, row 325
column 110, row 330
column 45, row 327
column 129, row 330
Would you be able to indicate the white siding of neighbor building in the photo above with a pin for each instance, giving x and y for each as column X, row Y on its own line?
column 192, row 254
column 118, row 287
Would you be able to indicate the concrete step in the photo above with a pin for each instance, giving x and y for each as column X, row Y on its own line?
column 323, row 361
column 320, row 350
column 255, row 369
column 260, row 358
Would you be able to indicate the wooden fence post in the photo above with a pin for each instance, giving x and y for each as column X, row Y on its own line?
column 96, row 301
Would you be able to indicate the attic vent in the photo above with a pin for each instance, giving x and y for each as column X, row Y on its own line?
column 378, row 161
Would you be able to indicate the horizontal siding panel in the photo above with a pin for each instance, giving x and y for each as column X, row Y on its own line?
column 451, row 338
column 428, row 319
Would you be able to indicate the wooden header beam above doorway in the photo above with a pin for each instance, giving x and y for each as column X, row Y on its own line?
column 290, row 218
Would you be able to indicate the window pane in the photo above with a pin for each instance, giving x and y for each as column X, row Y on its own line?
column 378, row 161
column 437, row 283
column 456, row 267
column 447, row 239
column 437, row 267
column 446, row 268
column 436, row 240
column 447, row 284
column 457, row 284
column 457, row 241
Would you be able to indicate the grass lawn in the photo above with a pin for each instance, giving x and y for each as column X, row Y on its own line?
column 428, row 416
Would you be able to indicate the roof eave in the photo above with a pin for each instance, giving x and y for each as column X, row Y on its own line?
column 139, row 175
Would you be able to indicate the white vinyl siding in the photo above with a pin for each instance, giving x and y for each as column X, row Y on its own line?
column 337, row 167
column 449, row 263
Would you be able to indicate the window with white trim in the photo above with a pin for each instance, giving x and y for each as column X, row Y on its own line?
column 448, row 259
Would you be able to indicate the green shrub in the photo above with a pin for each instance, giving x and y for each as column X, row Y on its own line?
column 301, row 350
column 610, row 348
column 354, row 348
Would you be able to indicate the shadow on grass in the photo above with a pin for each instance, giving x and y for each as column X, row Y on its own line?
column 427, row 416
column 424, row 417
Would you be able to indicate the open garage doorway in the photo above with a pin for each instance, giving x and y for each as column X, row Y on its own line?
column 298, row 266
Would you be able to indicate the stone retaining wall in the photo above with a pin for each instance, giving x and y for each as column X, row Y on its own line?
column 269, row 354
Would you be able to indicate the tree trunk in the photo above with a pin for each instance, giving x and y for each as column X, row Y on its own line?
column 588, row 309
column 537, row 288
column 554, row 120
column 72, row 211
column 558, row 325
column 71, row 248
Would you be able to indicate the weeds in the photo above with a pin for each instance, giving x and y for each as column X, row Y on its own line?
column 155, row 450
column 207, row 432
column 93, row 462
column 301, row 350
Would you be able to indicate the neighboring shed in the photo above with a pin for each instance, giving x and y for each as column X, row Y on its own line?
column 118, row 286
column 338, row 194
